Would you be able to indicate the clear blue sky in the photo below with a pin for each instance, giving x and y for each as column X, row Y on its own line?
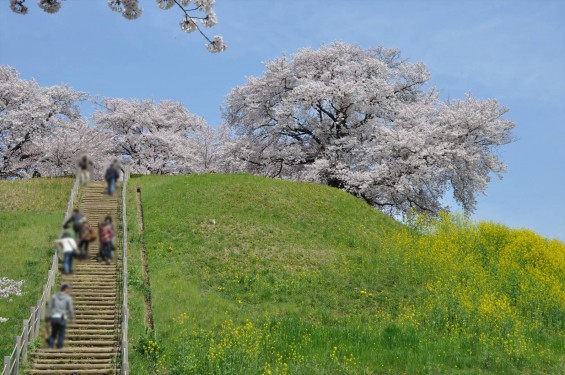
column 510, row 50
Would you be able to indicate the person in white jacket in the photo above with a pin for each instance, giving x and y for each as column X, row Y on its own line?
column 61, row 308
column 68, row 246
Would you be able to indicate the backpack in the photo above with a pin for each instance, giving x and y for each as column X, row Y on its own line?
column 106, row 234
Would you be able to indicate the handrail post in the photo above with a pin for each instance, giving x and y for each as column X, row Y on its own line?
column 32, row 322
column 6, row 370
column 17, row 352
column 37, row 319
column 25, row 343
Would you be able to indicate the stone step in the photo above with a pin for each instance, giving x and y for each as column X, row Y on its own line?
column 94, row 292
column 78, row 302
column 113, row 281
column 90, row 265
column 99, row 276
column 92, row 268
column 89, row 343
column 73, row 360
column 92, row 323
column 109, row 270
column 93, row 299
column 95, row 308
column 108, row 371
column 73, row 366
column 92, row 331
column 90, row 306
column 81, row 289
column 95, row 312
column 88, row 318
column 46, row 352
column 78, row 290
column 104, row 209
column 89, row 336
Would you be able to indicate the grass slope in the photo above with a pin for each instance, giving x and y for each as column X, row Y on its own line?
column 258, row 276
column 31, row 212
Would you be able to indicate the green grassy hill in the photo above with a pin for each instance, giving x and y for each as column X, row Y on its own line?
column 31, row 213
column 259, row 276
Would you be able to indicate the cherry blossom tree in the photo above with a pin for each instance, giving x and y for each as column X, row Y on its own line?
column 192, row 12
column 9, row 288
column 66, row 142
column 207, row 145
column 159, row 138
column 361, row 120
column 29, row 115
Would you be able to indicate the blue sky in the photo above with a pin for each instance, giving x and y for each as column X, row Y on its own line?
column 512, row 50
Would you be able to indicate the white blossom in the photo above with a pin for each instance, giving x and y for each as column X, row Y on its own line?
column 18, row 6
column 130, row 4
column 210, row 19
column 188, row 25
column 157, row 138
column 8, row 288
column 206, row 5
column 130, row 9
column 217, row 44
column 116, row 6
column 361, row 121
column 50, row 6
column 166, row 4
column 29, row 114
column 65, row 142
column 132, row 13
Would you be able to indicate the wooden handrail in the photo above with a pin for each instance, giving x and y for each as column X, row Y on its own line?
column 30, row 328
column 125, row 310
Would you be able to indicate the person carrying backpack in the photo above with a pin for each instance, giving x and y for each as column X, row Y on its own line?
column 61, row 308
column 86, row 236
column 106, row 237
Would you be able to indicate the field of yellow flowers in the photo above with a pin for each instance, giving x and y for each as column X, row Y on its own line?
column 260, row 276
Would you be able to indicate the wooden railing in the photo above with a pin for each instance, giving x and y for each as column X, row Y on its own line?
column 125, row 310
column 30, row 329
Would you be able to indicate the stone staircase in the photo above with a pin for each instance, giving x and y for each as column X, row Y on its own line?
column 92, row 342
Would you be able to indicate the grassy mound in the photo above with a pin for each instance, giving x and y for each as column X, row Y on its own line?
column 31, row 212
column 258, row 276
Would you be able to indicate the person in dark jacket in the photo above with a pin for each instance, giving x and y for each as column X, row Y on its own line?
column 111, row 177
column 61, row 308
column 77, row 218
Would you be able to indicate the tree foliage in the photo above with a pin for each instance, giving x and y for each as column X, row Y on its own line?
column 68, row 142
column 42, row 131
column 362, row 120
column 156, row 138
column 29, row 115
column 201, row 10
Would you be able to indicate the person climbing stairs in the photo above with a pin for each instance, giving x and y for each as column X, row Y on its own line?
column 92, row 342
